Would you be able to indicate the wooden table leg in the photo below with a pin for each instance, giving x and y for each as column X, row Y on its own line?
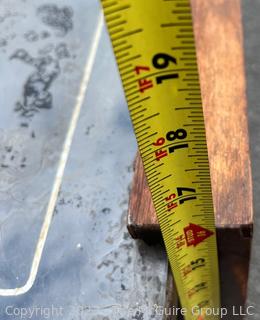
column 219, row 45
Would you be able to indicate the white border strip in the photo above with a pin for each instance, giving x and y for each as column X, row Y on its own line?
column 61, row 167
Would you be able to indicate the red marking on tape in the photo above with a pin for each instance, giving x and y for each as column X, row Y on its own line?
column 195, row 234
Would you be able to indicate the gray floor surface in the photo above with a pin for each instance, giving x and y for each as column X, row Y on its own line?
column 251, row 22
column 90, row 268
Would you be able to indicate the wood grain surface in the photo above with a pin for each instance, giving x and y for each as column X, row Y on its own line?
column 219, row 43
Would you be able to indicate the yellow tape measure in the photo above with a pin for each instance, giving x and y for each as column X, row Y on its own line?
column 154, row 46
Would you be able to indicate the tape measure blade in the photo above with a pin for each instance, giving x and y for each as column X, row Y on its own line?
column 156, row 56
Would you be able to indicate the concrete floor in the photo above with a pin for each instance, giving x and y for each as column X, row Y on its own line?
column 251, row 21
column 90, row 269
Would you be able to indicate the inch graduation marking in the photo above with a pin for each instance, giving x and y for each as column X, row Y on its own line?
column 155, row 51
